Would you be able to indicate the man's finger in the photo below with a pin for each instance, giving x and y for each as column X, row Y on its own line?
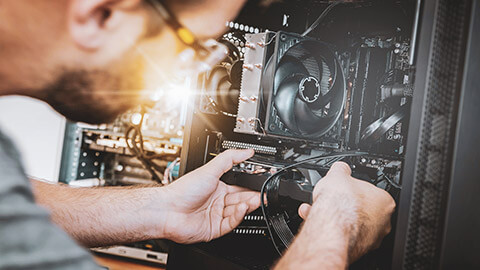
column 253, row 203
column 224, row 162
column 232, row 221
column 238, row 197
column 233, row 189
column 340, row 169
column 251, row 199
column 303, row 210
column 229, row 210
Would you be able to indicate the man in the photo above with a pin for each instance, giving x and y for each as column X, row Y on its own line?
column 89, row 59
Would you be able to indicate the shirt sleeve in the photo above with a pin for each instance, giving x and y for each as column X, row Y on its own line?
column 28, row 239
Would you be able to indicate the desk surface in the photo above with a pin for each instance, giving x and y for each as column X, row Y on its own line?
column 119, row 263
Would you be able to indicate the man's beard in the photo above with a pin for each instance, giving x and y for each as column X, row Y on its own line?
column 93, row 97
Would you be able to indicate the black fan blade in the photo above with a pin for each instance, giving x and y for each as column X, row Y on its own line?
column 284, row 101
column 287, row 67
column 219, row 87
column 308, row 122
column 327, row 98
column 326, row 61
column 224, row 95
column 267, row 87
column 215, row 78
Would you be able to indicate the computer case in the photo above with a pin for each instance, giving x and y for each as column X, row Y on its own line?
column 438, row 218
column 437, row 221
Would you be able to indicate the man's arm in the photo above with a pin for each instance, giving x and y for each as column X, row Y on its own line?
column 105, row 216
column 348, row 218
column 197, row 207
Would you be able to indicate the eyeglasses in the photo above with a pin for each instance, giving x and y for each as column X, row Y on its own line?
column 203, row 55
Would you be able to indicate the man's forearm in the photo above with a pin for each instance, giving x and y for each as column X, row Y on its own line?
column 324, row 247
column 104, row 216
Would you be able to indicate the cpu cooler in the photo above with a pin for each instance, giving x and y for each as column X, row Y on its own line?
column 301, row 89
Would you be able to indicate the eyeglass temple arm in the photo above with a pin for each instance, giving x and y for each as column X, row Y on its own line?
column 183, row 33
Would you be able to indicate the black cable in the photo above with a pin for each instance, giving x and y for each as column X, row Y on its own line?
column 137, row 152
column 213, row 104
column 140, row 152
column 264, row 213
column 236, row 53
column 320, row 18
column 263, row 189
column 391, row 182
column 215, row 107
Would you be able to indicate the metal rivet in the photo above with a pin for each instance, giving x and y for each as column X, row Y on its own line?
column 242, row 98
column 248, row 66
column 250, row 45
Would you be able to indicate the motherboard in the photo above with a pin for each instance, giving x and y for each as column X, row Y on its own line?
column 304, row 98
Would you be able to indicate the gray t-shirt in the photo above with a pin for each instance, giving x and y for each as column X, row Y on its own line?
column 28, row 240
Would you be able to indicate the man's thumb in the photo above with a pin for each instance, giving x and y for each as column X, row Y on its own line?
column 340, row 169
column 303, row 210
column 224, row 162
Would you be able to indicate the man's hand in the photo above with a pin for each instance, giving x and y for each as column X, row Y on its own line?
column 201, row 208
column 371, row 207
column 348, row 218
column 196, row 207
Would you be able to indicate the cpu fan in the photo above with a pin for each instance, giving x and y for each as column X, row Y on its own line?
column 303, row 89
column 222, row 83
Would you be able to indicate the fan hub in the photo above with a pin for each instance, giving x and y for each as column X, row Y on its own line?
column 309, row 89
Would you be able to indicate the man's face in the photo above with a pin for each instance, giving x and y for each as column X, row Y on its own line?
column 93, row 59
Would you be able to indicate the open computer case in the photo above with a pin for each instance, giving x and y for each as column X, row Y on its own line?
column 391, row 84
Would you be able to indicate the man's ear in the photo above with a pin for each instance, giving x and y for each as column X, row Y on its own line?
column 92, row 22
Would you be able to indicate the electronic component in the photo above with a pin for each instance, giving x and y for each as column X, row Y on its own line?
column 300, row 89
column 260, row 149
column 338, row 90
column 153, row 251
